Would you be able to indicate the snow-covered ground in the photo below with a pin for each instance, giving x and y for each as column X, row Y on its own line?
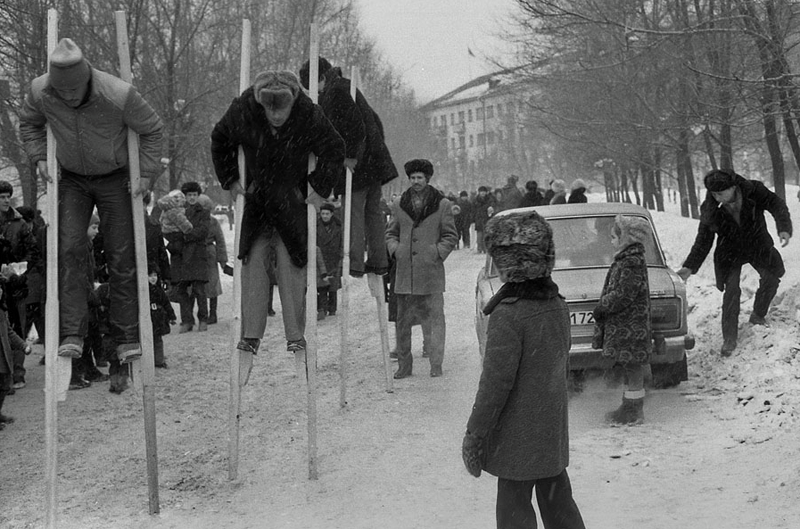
column 718, row 451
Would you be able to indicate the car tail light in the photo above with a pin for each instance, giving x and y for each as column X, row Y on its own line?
column 665, row 314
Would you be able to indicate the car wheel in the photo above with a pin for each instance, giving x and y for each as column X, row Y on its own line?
column 670, row 375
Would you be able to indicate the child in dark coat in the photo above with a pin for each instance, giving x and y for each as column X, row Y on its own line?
column 161, row 314
column 518, row 429
column 9, row 342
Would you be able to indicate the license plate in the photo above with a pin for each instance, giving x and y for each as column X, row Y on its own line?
column 581, row 318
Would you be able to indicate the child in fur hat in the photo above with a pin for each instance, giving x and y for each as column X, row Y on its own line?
column 173, row 213
column 622, row 316
column 518, row 429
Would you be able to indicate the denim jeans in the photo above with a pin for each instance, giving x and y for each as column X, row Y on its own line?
column 78, row 195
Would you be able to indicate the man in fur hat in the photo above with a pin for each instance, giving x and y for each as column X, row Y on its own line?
column 367, row 156
column 90, row 113
column 518, row 429
column 420, row 236
column 733, row 213
column 278, row 127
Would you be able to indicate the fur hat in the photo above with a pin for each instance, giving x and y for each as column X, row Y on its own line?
column 484, row 189
column 27, row 212
column 276, row 89
column 577, row 184
column 419, row 166
column 191, row 187
column 718, row 180
column 206, row 202
column 6, row 187
column 324, row 66
column 68, row 69
column 531, row 185
column 328, row 206
column 632, row 229
column 521, row 245
column 558, row 186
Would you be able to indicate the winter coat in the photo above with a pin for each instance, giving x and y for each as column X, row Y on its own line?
column 362, row 132
column 559, row 198
column 748, row 242
column 329, row 242
column 156, row 251
column 622, row 316
column 421, row 245
column 9, row 342
column 512, row 196
column 93, row 138
column 173, row 214
column 480, row 210
column 577, row 196
column 465, row 217
column 217, row 255
column 530, row 199
column 17, row 242
column 188, row 250
column 277, row 167
column 161, row 312
column 520, row 410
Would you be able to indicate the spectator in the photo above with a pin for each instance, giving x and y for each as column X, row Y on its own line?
column 89, row 113
column 512, row 196
column 217, row 256
column 161, row 314
column 329, row 242
column 577, row 194
column 9, row 341
column 481, row 210
column 532, row 195
column 420, row 281
column 464, row 219
column 559, row 189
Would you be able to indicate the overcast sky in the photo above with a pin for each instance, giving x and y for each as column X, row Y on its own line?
column 427, row 40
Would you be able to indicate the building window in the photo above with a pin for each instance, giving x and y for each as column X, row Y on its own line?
column 433, row 122
column 461, row 117
column 462, row 142
column 479, row 113
column 490, row 138
column 489, row 112
column 469, row 115
column 471, row 140
column 452, row 119
column 499, row 110
column 481, row 139
column 444, row 120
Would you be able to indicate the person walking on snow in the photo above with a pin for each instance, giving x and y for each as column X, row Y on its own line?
column 622, row 316
column 90, row 112
column 518, row 428
column 733, row 214
column 278, row 126
column 420, row 236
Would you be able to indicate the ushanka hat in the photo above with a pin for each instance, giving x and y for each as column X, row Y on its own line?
column 419, row 166
column 521, row 245
column 276, row 89
column 68, row 68
column 718, row 180
column 328, row 206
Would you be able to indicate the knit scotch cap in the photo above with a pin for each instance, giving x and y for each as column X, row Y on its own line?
column 276, row 89
column 68, row 68
column 718, row 180
column 521, row 245
column 632, row 229
column 6, row 187
column 419, row 166
column 328, row 206
column 324, row 66
column 191, row 187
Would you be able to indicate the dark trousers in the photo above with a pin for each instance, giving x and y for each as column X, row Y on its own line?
column 5, row 387
column 78, row 195
column 428, row 310
column 158, row 350
column 326, row 300
column 190, row 292
column 481, row 245
column 463, row 233
column 731, row 298
column 553, row 495
column 367, row 230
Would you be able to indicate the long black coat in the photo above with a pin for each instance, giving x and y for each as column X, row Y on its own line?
column 622, row 316
column 277, row 167
column 748, row 242
column 156, row 251
column 480, row 210
column 329, row 242
column 362, row 131
column 161, row 311
column 188, row 250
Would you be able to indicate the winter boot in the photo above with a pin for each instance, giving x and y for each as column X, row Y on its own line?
column 202, row 326
column 212, row 311
column 631, row 411
column 404, row 367
column 728, row 346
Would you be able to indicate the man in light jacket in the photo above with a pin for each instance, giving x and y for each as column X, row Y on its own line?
column 90, row 112
column 420, row 236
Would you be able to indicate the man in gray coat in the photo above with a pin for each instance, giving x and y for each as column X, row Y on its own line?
column 420, row 236
column 518, row 429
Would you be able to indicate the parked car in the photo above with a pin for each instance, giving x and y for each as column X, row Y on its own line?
column 221, row 210
column 581, row 235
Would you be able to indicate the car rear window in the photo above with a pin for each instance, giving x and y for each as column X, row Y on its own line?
column 586, row 242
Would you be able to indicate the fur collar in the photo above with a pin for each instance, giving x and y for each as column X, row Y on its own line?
column 429, row 208
column 539, row 288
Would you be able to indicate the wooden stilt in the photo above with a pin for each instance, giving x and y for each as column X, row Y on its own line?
column 241, row 361
column 376, row 289
column 311, row 276
column 143, row 369
column 53, row 364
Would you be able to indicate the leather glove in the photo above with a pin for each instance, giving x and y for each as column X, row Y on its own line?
column 227, row 269
column 472, row 453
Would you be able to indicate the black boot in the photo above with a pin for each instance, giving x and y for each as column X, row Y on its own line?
column 631, row 412
column 404, row 365
column 212, row 311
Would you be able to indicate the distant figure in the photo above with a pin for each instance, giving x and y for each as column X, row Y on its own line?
column 481, row 211
column 518, row 429
column 577, row 193
column 733, row 214
column 559, row 188
column 532, row 195
column 512, row 196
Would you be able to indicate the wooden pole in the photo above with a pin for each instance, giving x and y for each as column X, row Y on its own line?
column 51, row 311
column 142, row 369
column 344, row 322
column 241, row 361
column 311, row 276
